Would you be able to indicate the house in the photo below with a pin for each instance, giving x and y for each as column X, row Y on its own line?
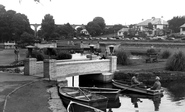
column 84, row 31
column 182, row 29
column 121, row 32
column 157, row 23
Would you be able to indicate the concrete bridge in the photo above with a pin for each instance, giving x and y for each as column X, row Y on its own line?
column 60, row 69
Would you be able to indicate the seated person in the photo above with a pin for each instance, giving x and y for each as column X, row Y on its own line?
column 136, row 82
column 157, row 84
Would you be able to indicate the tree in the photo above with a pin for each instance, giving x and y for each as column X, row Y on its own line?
column 27, row 39
column 100, row 21
column 150, row 26
column 12, row 25
column 175, row 23
column 3, row 25
column 117, row 27
column 20, row 24
column 78, row 31
column 114, row 29
column 2, row 9
column 65, row 30
column 93, row 28
column 48, row 26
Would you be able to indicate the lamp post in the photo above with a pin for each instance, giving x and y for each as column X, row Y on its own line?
column 30, row 49
column 49, row 51
column 91, row 48
column 111, row 47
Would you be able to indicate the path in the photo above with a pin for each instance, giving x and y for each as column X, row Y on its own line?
column 36, row 96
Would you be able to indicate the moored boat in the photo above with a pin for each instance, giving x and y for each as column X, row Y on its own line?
column 110, row 93
column 83, row 96
column 79, row 107
column 133, row 88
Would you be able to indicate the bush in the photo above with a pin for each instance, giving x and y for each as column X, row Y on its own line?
column 123, row 57
column 151, row 51
column 165, row 54
column 176, row 62
column 39, row 56
column 64, row 55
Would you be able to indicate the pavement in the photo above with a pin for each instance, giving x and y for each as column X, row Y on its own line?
column 19, row 93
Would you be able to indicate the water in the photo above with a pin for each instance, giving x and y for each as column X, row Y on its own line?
column 78, row 56
column 172, row 101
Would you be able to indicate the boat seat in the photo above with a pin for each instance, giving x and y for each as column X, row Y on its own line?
column 72, row 92
column 83, row 96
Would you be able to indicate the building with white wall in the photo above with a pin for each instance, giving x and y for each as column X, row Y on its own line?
column 158, row 23
column 182, row 29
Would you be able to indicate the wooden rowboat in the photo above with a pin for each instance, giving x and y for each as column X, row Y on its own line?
column 79, row 107
column 83, row 96
column 110, row 93
column 126, row 86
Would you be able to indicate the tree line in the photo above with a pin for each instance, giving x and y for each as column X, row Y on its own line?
column 16, row 27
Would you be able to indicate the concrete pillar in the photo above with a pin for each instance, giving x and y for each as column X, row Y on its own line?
column 113, row 63
column 107, row 77
column 49, row 68
column 30, row 66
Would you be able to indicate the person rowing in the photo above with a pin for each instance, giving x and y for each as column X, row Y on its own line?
column 156, row 85
column 136, row 82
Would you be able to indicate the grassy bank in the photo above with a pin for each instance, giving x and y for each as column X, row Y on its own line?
column 7, row 56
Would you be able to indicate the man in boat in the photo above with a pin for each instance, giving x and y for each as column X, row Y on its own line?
column 136, row 82
column 157, row 84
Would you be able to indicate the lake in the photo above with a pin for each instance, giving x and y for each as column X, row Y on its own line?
column 172, row 101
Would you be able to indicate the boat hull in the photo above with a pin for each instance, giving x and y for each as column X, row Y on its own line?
column 96, row 101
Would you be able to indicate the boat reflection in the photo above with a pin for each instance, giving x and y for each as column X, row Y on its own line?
column 137, row 98
column 113, row 104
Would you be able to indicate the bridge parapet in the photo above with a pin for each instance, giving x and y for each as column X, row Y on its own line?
column 58, row 69
column 55, row 70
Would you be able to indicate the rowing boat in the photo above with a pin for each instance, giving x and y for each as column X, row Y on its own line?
column 133, row 88
column 83, row 96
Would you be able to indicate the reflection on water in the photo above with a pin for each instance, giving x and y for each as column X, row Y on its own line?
column 137, row 98
column 176, row 90
column 172, row 101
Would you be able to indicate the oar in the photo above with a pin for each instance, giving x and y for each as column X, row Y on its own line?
column 84, row 94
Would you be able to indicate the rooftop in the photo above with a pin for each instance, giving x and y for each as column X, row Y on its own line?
column 155, row 21
column 183, row 25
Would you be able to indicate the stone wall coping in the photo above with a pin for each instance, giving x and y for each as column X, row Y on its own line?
column 39, row 62
column 81, row 62
column 68, row 60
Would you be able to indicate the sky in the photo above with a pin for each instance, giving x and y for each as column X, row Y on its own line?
column 123, row 12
